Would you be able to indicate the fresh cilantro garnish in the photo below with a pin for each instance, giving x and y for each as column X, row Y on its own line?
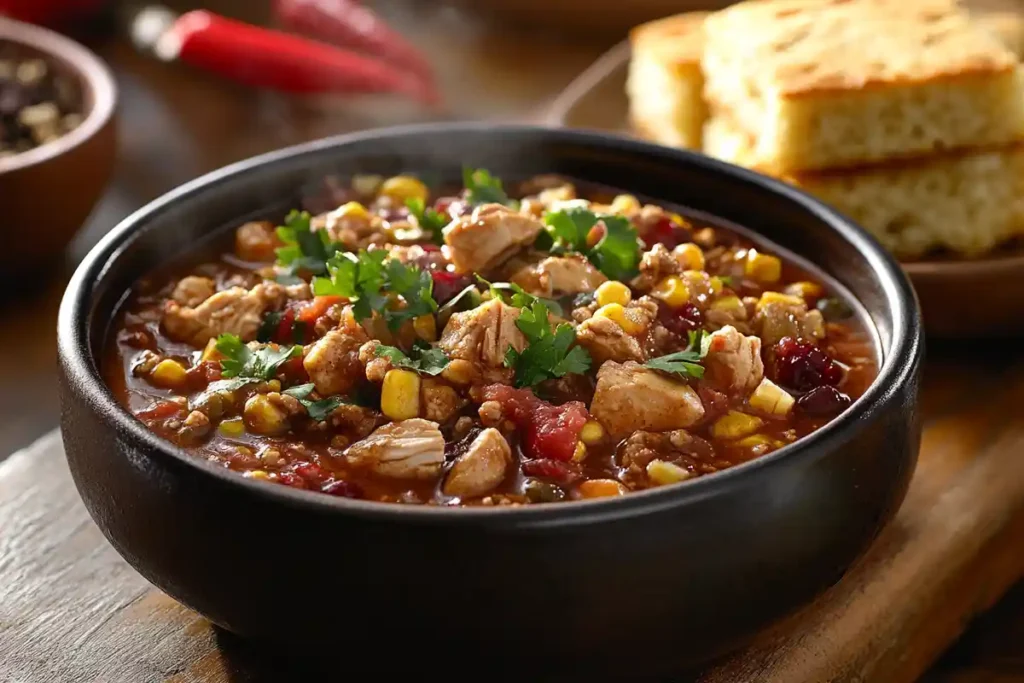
column 685, row 363
column 260, row 364
column 547, row 354
column 483, row 188
column 366, row 280
column 304, row 248
column 317, row 410
column 423, row 358
column 427, row 219
column 616, row 254
column 228, row 385
column 520, row 298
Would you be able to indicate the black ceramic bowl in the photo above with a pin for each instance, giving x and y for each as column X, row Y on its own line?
column 649, row 581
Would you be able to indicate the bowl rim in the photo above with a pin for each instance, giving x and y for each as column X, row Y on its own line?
column 900, row 361
column 90, row 69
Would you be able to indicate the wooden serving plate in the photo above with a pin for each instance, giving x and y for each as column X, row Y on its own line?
column 959, row 298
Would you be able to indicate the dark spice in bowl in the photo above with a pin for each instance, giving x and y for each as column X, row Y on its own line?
column 38, row 103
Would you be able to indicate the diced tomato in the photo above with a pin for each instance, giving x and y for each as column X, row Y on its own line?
column 666, row 231
column 447, row 285
column 160, row 411
column 314, row 309
column 294, row 371
column 563, row 473
column 549, row 431
column 284, row 328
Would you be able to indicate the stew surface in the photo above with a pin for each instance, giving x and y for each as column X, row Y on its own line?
column 473, row 348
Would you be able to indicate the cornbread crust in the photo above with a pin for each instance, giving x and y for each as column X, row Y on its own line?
column 835, row 83
column 968, row 202
column 665, row 82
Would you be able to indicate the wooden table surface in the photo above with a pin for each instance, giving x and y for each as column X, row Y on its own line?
column 176, row 124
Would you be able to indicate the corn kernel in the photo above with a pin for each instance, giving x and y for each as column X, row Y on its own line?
column 211, row 352
column 716, row 284
column 679, row 220
column 734, row 425
column 274, row 385
column 729, row 304
column 613, row 292
column 580, row 454
column 350, row 210
column 402, row 187
column 592, row 433
column 169, row 374
column 804, row 290
column 257, row 474
column 619, row 315
column 763, row 268
column 780, row 298
column 232, row 427
column 690, row 256
column 672, row 290
column 759, row 441
column 601, row 488
column 624, row 203
column 400, row 394
column 770, row 398
column 663, row 473
column 425, row 327
column 263, row 417
column 460, row 372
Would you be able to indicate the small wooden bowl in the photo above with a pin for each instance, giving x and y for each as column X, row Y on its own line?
column 47, row 192
column 959, row 299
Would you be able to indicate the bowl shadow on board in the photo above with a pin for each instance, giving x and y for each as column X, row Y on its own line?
column 678, row 574
column 959, row 298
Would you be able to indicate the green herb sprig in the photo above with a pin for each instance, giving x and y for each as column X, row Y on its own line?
column 422, row 358
column 685, row 363
column 548, row 354
column 616, row 254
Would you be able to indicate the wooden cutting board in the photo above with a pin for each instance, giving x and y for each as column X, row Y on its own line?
column 72, row 610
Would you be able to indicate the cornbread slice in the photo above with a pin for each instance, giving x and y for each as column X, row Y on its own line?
column 965, row 202
column 665, row 82
column 826, row 84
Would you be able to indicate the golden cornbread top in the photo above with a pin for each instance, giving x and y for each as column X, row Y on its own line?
column 676, row 42
column 801, row 47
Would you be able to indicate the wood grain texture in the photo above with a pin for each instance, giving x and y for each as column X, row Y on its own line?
column 72, row 610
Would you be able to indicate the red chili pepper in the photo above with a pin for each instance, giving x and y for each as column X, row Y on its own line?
column 160, row 411
column 270, row 59
column 317, row 307
column 349, row 23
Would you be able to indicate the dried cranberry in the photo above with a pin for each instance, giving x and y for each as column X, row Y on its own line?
column 824, row 400
column 447, row 285
column 682, row 320
column 345, row 489
column 453, row 207
column 803, row 366
column 666, row 231
column 561, row 472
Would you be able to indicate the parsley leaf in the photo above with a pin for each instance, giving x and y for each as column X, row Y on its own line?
column 616, row 254
column 261, row 364
column 304, row 248
column 366, row 278
column 423, row 358
column 317, row 410
column 427, row 219
column 685, row 363
column 547, row 354
column 520, row 297
column 483, row 188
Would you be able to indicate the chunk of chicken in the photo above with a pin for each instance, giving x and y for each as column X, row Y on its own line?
column 193, row 290
column 483, row 334
column 733, row 363
column 605, row 340
column 559, row 275
column 481, row 468
column 655, row 264
column 777, row 319
column 256, row 241
column 631, row 398
column 232, row 311
column 488, row 236
column 333, row 361
column 410, row 449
